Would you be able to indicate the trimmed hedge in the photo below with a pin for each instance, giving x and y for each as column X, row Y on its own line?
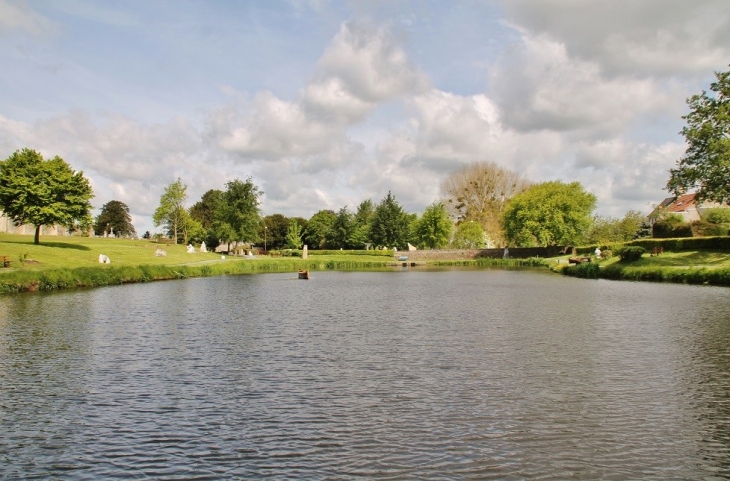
column 630, row 253
column 720, row 243
column 371, row 252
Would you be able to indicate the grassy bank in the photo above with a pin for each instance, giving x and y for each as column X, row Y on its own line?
column 73, row 262
column 703, row 267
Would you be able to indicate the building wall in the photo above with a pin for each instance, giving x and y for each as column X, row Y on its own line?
column 7, row 227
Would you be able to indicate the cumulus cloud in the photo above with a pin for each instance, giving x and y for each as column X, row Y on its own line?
column 363, row 66
column 628, row 37
column 542, row 87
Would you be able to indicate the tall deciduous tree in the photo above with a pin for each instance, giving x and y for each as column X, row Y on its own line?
column 294, row 235
column 318, row 227
column 361, row 224
column 479, row 192
column 340, row 234
column 205, row 210
column 240, row 210
column 276, row 227
column 114, row 217
column 551, row 213
column 706, row 163
column 390, row 225
column 171, row 213
column 43, row 192
column 433, row 229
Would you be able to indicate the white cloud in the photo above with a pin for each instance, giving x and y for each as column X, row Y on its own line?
column 628, row 37
column 542, row 87
column 19, row 16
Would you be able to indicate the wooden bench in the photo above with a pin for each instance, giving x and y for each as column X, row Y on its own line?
column 6, row 261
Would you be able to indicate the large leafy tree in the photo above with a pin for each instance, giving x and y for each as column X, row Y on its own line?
column 171, row 212
column 340, row 234
column 433, row 229
column 469, row 235
column 114, row 218
column 240, row 215
column 318, row 228
column 611, row 229
column 390, row 224
column 361, row 224
column 275, row 227
column 294, row 235
column 206, row 209
column 43, row 192
column 706, row 163
column 479, row 191
column 550, row 213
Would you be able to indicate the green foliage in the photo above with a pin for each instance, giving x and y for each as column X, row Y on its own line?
column 294, row 235
column 706, row 163
column 340, row 233
column 390, row 225
column 671, row 225
column 551, row 213
column 703, row 228
column 361, row 223
column 585, row 270
column 318, row 228
column 610, row 229
column 630, row 253
column 371, row 252
column 171, row 212
column 239, row 218
column 114, row 217
column 206, row 209
column 717, row 215
column 685, row 244
column 276, row 229
column 433, row 229
column 43, row 192
column 469, row 235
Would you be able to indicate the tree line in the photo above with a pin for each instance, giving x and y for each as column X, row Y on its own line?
column 481, row 205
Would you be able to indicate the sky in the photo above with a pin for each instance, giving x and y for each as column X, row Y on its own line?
column 324, row 104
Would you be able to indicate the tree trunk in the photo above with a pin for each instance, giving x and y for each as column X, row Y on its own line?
column 37, row 239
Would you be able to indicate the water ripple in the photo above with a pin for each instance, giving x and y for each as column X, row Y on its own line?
column 462, row 374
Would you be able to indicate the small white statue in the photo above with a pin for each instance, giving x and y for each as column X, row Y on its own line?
column 191, row 249
column 104, row 259
column 202, row 247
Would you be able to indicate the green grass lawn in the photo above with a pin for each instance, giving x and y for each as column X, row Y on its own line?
column 69, row 252
column 694, row 259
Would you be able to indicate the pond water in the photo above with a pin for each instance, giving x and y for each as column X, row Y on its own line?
column 453, row 373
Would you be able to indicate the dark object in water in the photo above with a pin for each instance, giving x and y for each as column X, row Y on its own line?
column 303, row 274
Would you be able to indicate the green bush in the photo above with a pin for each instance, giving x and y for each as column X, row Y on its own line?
column 717, row 216
column 703, row 228
column 671, row 226
column 585, row 270
column 371, row 252
column 630, row 253
column 685, row 244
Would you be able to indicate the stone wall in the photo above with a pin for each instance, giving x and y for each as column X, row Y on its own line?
column 7, row 227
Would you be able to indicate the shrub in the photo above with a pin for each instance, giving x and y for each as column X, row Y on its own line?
column 704, row 228
column 586, row 270
column 630, row 253
column 717, row 215
column 671, row 226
